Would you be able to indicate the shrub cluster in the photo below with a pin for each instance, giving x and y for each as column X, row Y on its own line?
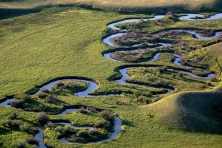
column 13, row 116
column 101, row 124
column 66, row 130
column 91, row 109
column 39, row 107
column 20, row 100
column 180, row 74
column 71, row 85
column 42, row 95
column 87, row 133
column 42, row 118
column 51, row 99
column 28, row 129
column 138, row 94
column 82, row 110
column 32, row 140
column 93, row 131
column 11, row 123
column 19, row 144
column 107, row 115
column 83, row 134
column 147, row 100
column 59, row 129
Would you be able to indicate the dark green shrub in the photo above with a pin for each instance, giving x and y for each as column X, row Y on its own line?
column 163, row 68
column 146, row 93
column 93, row 131
column 143, row 99
column 42, row 118
column 13, row 116
column 83, row 134
column 59, row 129
column 24, row 128
column 213, row 79
column 115, row 76
column 32, row 140
column 50, row 99
column 40, row 107
column 82, row 110
column 208, row 82
column 45, row 90
column 118, row 102
column 91, row 109
column 67, row 129
column 17, row 103
column 11, row 123
column 101, row 124
column 173, row 75
column 19, row 144
column 49, row 124
column 4, row 123
column 107, row 115
column 42, row 95
column 16, row 123
column 180, row 74
column 59, row 85
column 136, row 94
column 23, row 97
column 20, row 100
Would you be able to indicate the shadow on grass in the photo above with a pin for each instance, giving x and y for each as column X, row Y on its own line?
column 195, row 112
column 4, row 130
column 128, row 123
column 6, row 13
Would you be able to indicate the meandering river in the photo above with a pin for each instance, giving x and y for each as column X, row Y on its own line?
column 92, row 85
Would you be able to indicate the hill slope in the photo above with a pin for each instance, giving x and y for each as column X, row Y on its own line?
column 190, row 111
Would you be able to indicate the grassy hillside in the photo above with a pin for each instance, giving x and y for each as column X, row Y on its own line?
column 190, row 111
column 215, row 51
column 117, row 5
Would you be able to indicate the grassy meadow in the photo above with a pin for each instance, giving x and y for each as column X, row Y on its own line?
column 40, row 43
column 67, row 41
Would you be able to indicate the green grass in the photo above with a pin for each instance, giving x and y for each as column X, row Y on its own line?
column 58, row 42
column 215, row 52
column 155, row 77
column 136, row 57
column 40, row 51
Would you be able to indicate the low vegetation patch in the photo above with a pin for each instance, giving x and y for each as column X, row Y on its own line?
column 100, row 130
